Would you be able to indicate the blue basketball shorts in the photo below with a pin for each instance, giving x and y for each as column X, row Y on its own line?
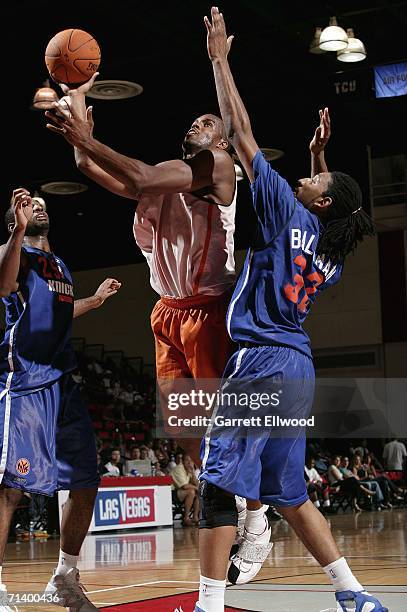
column 261, row 462
column 46, row 440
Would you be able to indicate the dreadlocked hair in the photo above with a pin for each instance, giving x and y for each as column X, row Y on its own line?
column 346, row 223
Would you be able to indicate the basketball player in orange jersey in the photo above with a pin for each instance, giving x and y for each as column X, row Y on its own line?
column 184, row 225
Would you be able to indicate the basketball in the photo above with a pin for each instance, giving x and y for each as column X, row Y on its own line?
column 72, row 56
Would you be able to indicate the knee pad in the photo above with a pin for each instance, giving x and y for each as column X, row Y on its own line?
column 218, row 508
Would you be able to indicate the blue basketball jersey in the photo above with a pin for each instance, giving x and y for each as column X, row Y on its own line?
column 36, row 349
column 282, row 275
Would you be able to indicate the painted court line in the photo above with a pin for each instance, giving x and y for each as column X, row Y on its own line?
column 125, row 586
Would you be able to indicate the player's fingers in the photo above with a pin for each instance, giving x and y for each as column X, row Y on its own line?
column 19, row 191
column 89, row 114
column 64, row 88
column 230, row 40
column 51, row 127
column 222, row 22
column 54, row 117
column 62, row 109
column 208, row 24
column 93, row 78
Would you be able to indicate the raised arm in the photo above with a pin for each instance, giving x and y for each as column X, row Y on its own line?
column 232, row 109
column 10, row 253
column 109, row 287
column 319, row 142
column 206, row 170
column 75, row 99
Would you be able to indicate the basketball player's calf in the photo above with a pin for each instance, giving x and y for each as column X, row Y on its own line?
column 219, row 518
column 75, row 523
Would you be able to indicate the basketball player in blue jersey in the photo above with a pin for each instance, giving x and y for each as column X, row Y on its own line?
column 302, row 241
column 46, row 436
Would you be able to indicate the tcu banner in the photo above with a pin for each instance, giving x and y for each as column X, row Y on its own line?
column 124, row 507
column 391, row 80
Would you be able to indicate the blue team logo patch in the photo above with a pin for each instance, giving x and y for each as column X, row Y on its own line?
column 23, row 466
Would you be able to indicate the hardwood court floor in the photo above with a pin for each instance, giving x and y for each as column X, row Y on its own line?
column 159, row 569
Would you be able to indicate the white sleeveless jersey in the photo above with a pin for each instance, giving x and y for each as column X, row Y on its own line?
column 188, row 244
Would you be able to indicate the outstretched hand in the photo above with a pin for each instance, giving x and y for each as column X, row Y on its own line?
column 22, row 205
column 109, row 287
column 322, row 133
column 82, row 89
column 218, row 42
column 67, row 123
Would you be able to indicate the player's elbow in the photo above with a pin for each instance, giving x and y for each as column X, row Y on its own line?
column 140, row 180
column 83, row 164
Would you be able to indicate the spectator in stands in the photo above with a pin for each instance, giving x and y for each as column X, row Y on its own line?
column 114, row 466
column 376, row 463
column 362, row 449
column 162, row 462
column 316, row 487
column 186, row 486
column 360, row 474
column 175, row 460
column 135, row 453
column 115, row 390
column 394, row 454
column 315, row 449
column 348, row 485
column 344, row 467
column 144, row 453
column 151, row 454
column 174, row 448
column 127, row 395
column 391, row 492
column 101, row 466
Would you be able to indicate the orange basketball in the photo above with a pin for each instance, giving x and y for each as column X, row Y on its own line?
column 72, row 56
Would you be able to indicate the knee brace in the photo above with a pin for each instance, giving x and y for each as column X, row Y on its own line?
column 218, row 508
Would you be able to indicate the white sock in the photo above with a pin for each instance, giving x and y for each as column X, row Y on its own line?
column 241, row 504
column 341, row 576
column 316, row 503
column 65, row 563
column 327, row 503
column 256, row 521
column 211, row 594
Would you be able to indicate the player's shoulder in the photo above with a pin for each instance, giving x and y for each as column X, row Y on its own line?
column 215, row 156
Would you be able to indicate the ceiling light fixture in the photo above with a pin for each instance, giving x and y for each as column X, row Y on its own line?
column 333, row 38
column 314, row 46
column 63, row 188
column 112, row 89
column 355, row 50
column 44, row 97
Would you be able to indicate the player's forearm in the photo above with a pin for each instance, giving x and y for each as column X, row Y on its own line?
column 233, row 111
column 83, row 162
column 83, row 306
column 318, row 163
column 10, row 261
column 130, row 172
